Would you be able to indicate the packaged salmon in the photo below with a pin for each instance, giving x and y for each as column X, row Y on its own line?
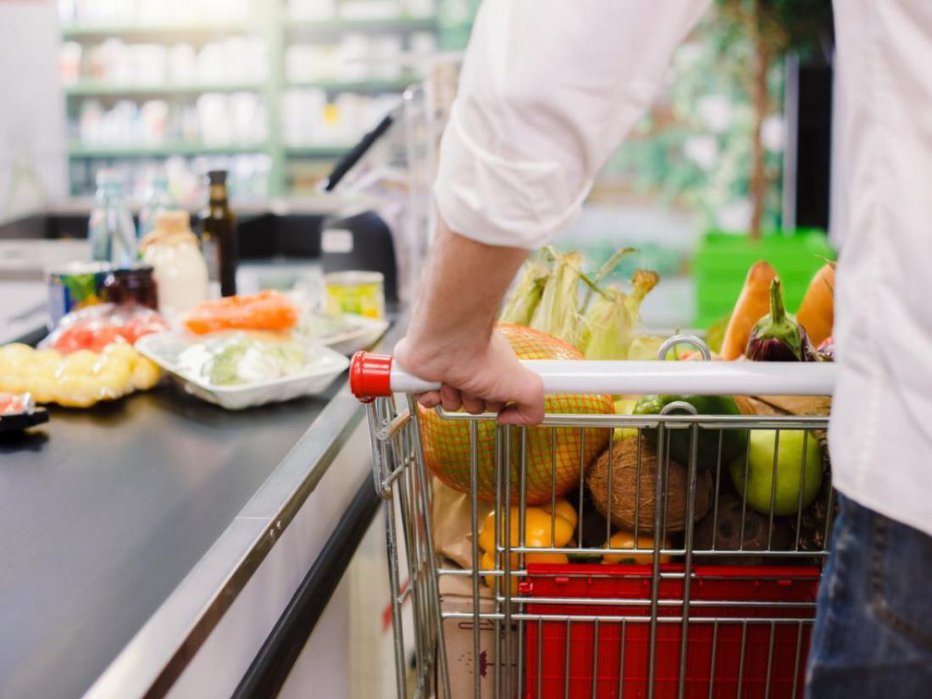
column 268, row 310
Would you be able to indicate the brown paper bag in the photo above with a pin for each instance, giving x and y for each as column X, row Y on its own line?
column 451, row 522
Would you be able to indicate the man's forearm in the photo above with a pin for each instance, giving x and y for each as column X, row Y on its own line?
column 462, row 290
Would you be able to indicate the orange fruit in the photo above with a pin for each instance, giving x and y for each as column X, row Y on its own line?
column 624, row 539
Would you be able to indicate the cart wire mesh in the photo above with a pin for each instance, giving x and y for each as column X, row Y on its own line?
column 710, row 591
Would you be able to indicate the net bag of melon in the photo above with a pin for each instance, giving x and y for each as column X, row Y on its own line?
column 552, row 455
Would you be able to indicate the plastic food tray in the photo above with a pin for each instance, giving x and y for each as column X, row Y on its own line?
column 162, row 348
column 774, row 649
column 361, row 334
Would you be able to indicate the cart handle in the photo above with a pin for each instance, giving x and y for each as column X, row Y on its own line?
column 375, row 376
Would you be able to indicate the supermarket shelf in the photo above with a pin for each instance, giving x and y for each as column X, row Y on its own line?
column 394, row 24
column 317, row 151
column 397, row 85
column 279, row 30
column 88, row 88
column 78, row 31
column 76, row 150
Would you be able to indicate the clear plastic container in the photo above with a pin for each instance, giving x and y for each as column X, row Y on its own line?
column 180, row 270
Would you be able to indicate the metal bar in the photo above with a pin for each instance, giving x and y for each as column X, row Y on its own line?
column 440, row 640
column 658, row 534
column 638, row 465
column 673, row 619
column 799, row 649
column 503, row 530
column 773, row 630
column 505, row 458
column 688, row 544
column 394, row 583
column 611, row 483
column 540, row 667
column 652, row 377
column 744, row 494
column 621, row 661
column 566, row 661
column 712, row 659
column 640, row 602
column 744, row 641
column 773, row 487
column 595, row 660
column 522, row 499
column 576, row 550
column 673, row 422
column 474, row 524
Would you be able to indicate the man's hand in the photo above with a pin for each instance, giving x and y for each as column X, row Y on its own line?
column 451, row 338
column 487, row 379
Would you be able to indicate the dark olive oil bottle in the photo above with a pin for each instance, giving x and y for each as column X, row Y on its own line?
column 218, row 236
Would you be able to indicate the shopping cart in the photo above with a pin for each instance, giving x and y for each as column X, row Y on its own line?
column 713, row 592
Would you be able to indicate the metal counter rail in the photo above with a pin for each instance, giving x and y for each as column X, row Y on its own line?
column 270, row 669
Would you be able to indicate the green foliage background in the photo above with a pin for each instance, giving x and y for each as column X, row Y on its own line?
column 709, row 68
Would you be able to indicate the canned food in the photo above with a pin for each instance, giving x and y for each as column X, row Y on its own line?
column 134, row 284
column 362, row 293
column 74, row 286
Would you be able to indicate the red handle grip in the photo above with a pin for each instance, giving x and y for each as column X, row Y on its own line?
column 371, row 376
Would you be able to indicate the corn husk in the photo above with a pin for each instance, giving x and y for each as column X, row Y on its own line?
column 610, row 320
column 525, row 297
column 557, row 314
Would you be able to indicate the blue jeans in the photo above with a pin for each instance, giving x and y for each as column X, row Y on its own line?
column 873, row 629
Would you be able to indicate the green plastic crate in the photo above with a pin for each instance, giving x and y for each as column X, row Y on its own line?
column 723, row 259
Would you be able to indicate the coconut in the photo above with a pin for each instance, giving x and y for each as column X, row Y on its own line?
column 633, row 490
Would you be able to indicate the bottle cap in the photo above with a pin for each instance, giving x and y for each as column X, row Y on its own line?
column 217, row 176
column 173, row 222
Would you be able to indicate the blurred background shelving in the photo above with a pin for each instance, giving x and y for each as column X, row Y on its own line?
column 273, row 90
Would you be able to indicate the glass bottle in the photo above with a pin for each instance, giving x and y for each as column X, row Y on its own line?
column 111, row 232
column 218, row 236
column 158, row 199
column 180, row 271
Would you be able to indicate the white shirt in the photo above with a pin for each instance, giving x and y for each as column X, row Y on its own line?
column 550, row 87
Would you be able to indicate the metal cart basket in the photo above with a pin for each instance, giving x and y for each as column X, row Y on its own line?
column 680, row 558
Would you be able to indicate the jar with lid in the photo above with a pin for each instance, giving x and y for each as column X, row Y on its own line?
column 180, row 271
column 134, row 284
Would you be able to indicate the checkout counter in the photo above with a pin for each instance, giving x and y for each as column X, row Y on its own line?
column 162, row 546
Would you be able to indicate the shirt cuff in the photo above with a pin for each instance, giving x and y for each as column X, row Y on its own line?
column 501, row 202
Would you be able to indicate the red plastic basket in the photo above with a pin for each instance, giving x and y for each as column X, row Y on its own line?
column 729, row 643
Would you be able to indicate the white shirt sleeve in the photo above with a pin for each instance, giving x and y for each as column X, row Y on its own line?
column 548, row 89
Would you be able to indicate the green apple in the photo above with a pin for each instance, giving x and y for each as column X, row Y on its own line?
column 798, row 468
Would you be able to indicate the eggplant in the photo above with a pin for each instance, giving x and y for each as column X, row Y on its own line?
column 777, row 337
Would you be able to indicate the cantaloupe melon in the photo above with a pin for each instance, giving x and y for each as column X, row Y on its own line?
column 446, row 443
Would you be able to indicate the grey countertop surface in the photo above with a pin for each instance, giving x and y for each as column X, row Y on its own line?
column 103, row 513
